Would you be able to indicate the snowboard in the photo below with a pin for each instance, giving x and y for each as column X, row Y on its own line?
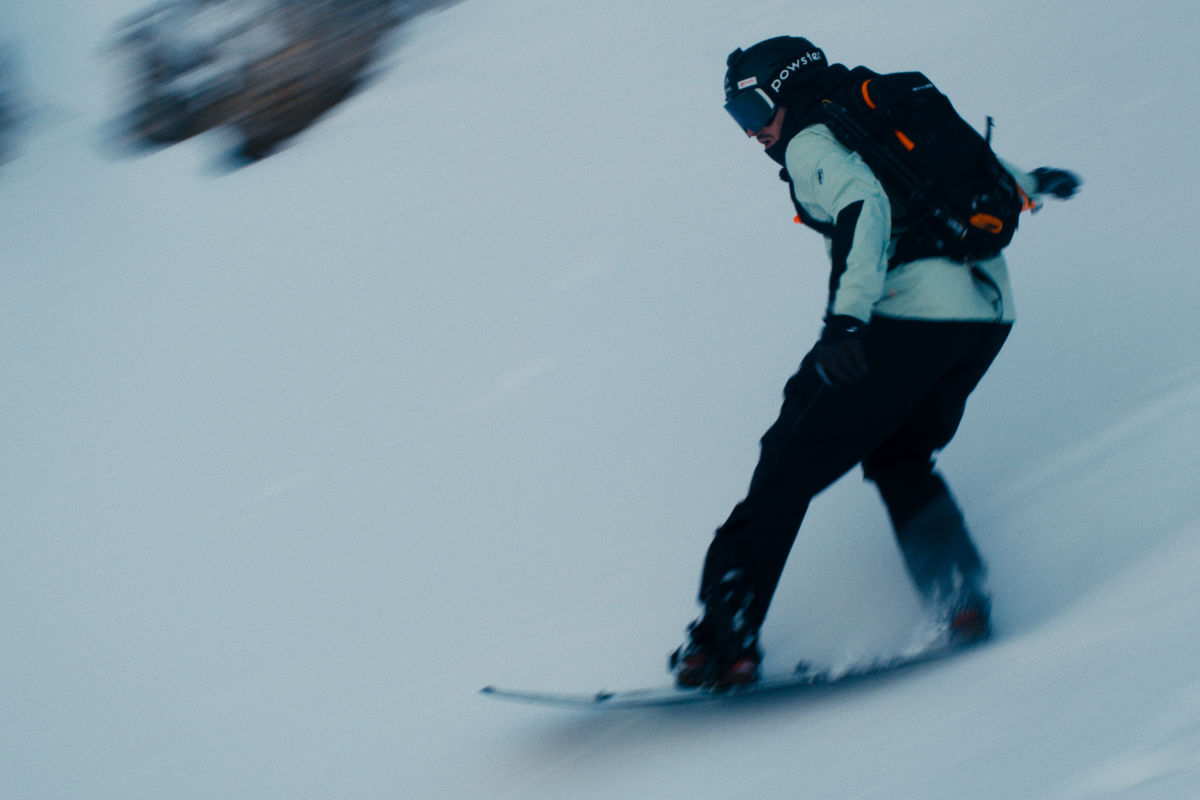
column 803, row 676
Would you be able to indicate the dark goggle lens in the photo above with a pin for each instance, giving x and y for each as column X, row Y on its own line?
column 751, row 110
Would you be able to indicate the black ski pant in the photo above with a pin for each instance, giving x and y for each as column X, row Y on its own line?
column 892, row 421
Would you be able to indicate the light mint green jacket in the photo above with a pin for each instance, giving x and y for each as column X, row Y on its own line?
column 826, row 178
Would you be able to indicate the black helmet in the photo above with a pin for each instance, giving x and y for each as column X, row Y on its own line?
column 760, row 78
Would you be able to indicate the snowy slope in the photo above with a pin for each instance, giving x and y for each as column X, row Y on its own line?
column 454, row 391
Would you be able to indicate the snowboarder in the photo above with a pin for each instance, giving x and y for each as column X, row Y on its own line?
column 885, row 385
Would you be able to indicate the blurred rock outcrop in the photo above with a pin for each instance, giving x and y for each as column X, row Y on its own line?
column 265, row 68
column 9, row 103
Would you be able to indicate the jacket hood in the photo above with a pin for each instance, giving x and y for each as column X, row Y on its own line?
column 803, row 107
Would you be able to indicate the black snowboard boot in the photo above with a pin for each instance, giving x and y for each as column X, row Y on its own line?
column 722, row 647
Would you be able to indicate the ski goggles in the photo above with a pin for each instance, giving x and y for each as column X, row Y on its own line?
column 751, row 110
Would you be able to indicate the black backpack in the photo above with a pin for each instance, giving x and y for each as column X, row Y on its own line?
column 950, row 195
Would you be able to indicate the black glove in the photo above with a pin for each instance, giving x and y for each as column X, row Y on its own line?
column 1058, row 182
column 839, row 355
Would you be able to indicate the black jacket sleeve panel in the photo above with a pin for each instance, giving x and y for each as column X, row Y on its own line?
column 843, row 238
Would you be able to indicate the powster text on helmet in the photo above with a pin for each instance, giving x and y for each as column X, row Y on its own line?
column 787, row 71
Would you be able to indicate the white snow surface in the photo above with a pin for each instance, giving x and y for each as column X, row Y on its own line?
column 454, row 390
